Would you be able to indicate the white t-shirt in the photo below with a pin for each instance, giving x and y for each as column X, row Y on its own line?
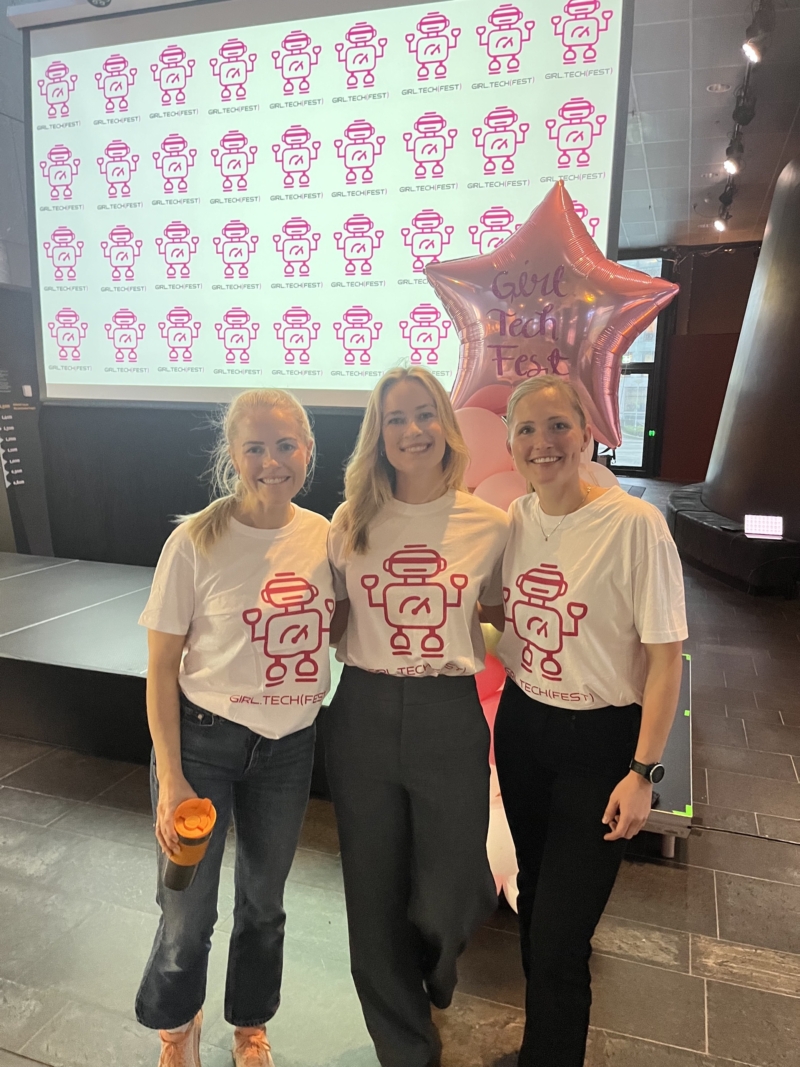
column 413, row 593
column 580, row 605
column 256, row 612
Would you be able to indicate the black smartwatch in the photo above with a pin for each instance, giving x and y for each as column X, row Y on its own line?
column 653, row 772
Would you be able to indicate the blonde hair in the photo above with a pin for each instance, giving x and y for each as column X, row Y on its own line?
column 206, row 527
column 369, row 478
column 538, row 385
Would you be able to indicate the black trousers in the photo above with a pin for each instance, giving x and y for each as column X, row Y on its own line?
column 557, row 769
column 408, row 765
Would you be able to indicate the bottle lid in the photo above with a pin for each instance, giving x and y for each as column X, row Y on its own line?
column 195, row 818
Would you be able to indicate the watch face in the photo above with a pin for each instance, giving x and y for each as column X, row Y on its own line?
column 657, row 773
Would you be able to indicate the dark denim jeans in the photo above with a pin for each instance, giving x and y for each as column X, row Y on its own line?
column 263, row 786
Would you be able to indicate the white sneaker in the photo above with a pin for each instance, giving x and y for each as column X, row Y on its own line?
column 181, row 1049
column 251, row 1049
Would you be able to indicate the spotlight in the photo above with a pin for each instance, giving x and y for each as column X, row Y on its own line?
column 752, row 50
column 727, row 195
column 759, row 29
column 745, row 110
column 720, row 225
column 734, row 153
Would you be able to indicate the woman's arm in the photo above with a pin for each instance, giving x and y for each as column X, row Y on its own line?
column 339, row 621
column 629, row 805
column 164, row 719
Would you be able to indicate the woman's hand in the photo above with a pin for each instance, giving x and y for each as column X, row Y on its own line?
column 171, row 793
column 628, row 807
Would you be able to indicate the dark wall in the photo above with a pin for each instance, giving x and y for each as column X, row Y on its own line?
column 116, row 475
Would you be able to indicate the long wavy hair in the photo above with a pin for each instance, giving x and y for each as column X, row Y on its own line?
column 369, row 479
column 206, row 527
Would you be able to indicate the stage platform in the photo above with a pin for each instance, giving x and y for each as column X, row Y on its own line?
column 73, row 664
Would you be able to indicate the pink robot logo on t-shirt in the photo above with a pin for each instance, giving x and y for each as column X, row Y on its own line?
column 575, row 134
column 115, row 81
column 125, row 333
column 56, row 87
column 63, row 250
column 295, row 244
column 415, row 602
column 358, row 243
column 432, row 44
column 60, row 171
column 236, row 246
column 177, row 247
column 539, row 625
column 292, row 631
column 496, row 226
column 582, row 211
column 426, row 237
column 580, row 30
column 359, row 149
column 68, row 331
column 117, row 168
column 294, row 59
column 358, row 333
column 171, row 73
column 237, row 333
column 499, row 138
column 295, row 155
column 424, row 332
column 234, row 159
column 174, row 161
column 360, row 52
column 506, row 38
column 121, row 250
column 180, row 331
column 429, row 144
column 296, row 334
column 232, row 69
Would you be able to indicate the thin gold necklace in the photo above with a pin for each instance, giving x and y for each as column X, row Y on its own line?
column 547, row 536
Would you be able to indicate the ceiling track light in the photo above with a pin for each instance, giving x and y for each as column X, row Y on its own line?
column 759, row 30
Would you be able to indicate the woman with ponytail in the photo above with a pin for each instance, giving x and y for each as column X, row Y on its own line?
column 238, row 621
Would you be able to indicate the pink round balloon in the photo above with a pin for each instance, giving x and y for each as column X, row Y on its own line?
column 489, row 705
column 491, row 678
column 500, row 489
column 547, row 301
column 485, row 436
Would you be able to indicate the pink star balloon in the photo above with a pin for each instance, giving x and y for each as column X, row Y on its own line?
column 547, row 301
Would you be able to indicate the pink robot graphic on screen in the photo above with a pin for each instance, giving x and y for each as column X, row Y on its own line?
column 426, row 237
column 60, row 171
column 294, row 60
column 56, row 87
column 429, row 144
column 582, row 212
column 174, row 161
column 115, row 81
column 68, row 331
column 415, row 602
column 117, row 168
column 360, row 52
column 177, row 247
column 576, row 133
column 496, row 226
column 505, row 38
column 432, row 44
column 234, row 159
column 359, row 149
column 580, row 30
column 63, row 250
column 125, row 333
column 295, row 155
column 358, row 243
column 121, row 250
column 180, row 332
column 295, row 244
column 424, row 333
column 539, row 624
column 171, row 74
column 499, row 138
column 296, row 333
column 292, row 631
column 236, row 246
column 232, row 69
column 237, row 333
column 358, row 333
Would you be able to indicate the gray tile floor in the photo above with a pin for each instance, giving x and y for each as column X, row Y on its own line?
column 696, row 964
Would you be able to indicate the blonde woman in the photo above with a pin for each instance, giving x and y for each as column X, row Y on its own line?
column 594, row 619
column 406, row 741
column 231, row 703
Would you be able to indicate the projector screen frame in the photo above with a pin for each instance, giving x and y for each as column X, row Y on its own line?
column 225, row 394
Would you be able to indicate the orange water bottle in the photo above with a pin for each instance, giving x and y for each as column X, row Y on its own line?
column 194, row 823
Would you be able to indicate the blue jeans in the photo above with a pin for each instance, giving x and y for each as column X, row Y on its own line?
column 263, row 785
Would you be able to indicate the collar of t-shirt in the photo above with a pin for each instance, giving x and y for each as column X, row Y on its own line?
column 432, row 507
column 239, row 529
column 572, row 518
